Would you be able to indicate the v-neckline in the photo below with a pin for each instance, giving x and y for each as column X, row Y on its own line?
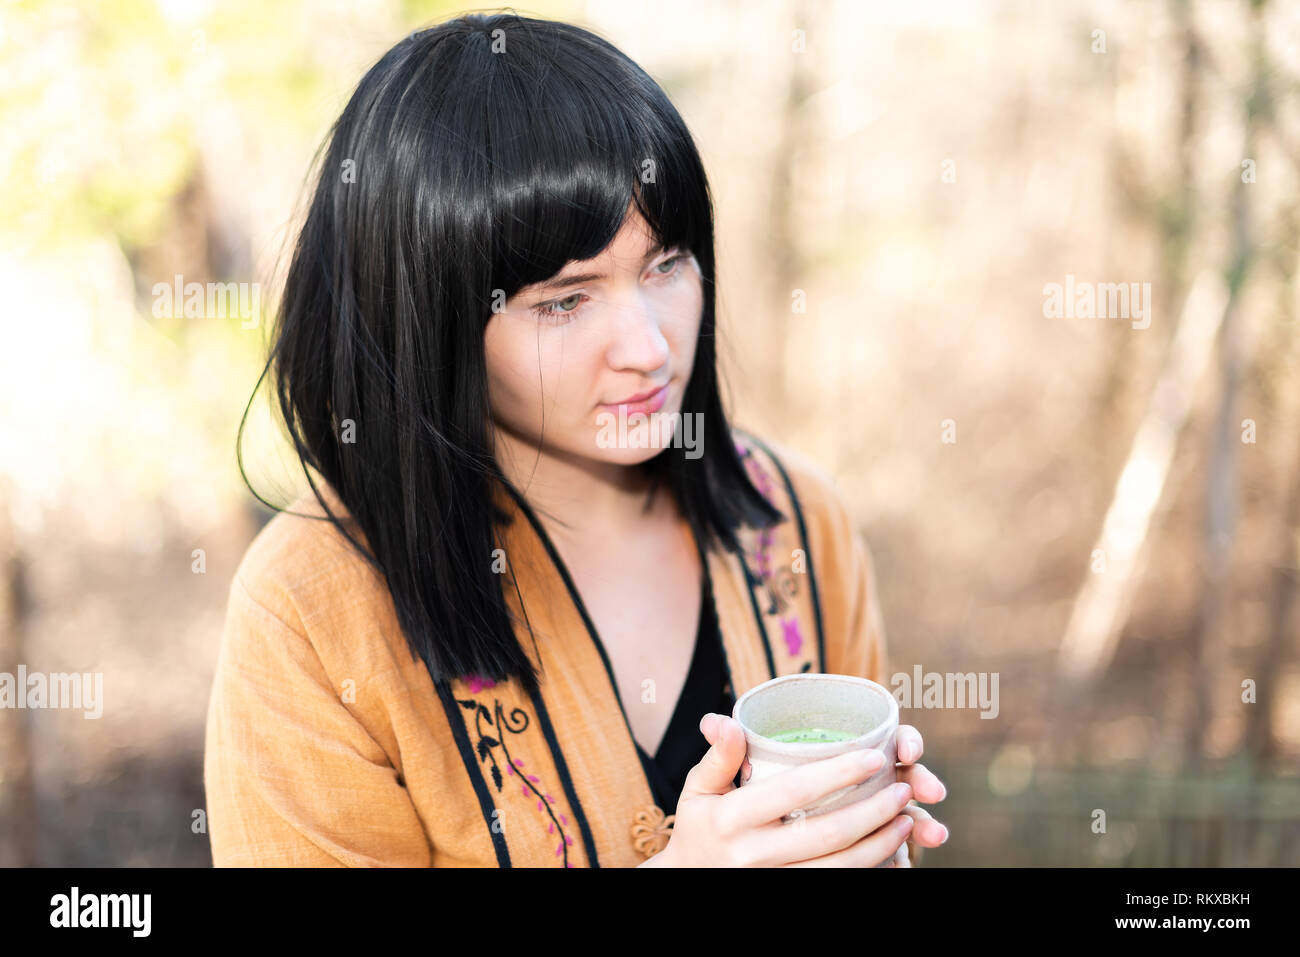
column 700, row 638
column 576, row 598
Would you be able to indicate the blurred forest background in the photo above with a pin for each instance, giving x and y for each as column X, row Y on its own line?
column 1106, row 516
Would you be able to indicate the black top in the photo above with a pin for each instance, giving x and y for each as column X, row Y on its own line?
column 707, row 688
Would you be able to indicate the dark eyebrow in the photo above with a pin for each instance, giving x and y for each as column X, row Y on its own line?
column 576, row 279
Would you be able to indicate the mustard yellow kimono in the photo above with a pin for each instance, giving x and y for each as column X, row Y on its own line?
column 328, row 744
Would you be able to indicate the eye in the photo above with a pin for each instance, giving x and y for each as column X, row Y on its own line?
column 554, row 311
column 674, row 262
column 559, row 311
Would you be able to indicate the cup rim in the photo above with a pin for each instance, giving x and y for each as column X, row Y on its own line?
column 824, row 748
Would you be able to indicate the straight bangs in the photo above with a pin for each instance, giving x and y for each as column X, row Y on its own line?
column 573, row 151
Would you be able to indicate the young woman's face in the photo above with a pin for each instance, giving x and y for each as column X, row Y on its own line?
column 563, row 353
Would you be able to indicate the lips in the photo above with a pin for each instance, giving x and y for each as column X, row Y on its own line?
column 646, row 402
column 641, row 397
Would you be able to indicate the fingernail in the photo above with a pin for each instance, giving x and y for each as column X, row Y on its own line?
column 901, row 790
column 872, row 758
column 945, row 835
column 944, row 791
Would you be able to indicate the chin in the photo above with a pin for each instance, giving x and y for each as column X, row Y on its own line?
column 632, row 440
column 627, row 456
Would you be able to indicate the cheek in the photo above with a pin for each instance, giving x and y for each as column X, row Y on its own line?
column 687, row 312
column 507, row 391
column 527, row 371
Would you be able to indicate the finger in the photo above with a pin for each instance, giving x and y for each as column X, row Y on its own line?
column 771, row 798
column 716, row 771
column 822, row 834
column 900, row 858
column 926, row 786
column 879, row 847
column 909, row 744
column 927, row 832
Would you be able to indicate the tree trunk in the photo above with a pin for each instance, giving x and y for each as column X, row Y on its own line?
column 18, row 809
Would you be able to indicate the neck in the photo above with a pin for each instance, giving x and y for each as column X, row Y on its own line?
column 575, row 496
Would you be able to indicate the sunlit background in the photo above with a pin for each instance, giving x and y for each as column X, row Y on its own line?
column 1105, row 512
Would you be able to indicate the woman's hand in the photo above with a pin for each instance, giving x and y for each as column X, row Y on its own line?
column 720, row 825
column 925, row 787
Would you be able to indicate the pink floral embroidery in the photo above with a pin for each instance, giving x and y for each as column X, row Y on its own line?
column 793, row 637
column 477, row 684
column 492, row 737
column 791, row 631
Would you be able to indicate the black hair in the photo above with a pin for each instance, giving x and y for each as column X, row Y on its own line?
column 474, row 158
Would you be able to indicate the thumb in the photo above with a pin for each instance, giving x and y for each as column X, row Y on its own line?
column 717, row 770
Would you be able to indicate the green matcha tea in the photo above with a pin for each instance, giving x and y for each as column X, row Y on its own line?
column 810, row 736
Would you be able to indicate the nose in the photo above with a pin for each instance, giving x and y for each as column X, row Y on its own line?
column 636, row 342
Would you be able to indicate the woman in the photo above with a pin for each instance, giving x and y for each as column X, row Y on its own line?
column 508, row 624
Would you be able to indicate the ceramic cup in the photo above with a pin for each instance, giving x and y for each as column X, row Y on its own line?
column 844, row 703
